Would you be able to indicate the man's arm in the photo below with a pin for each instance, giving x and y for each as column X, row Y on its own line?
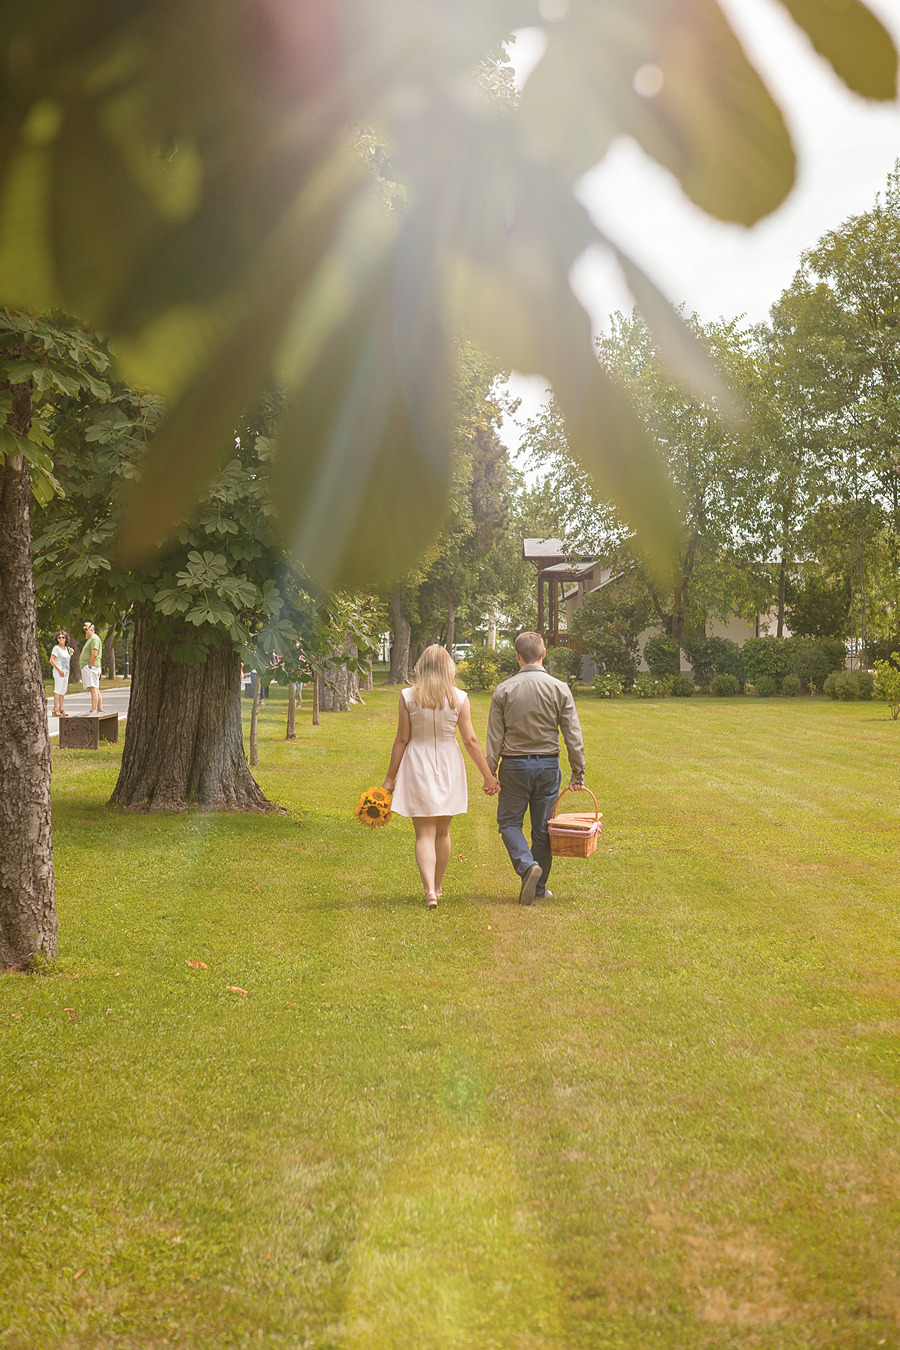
column 570, row 727
column 496, row 729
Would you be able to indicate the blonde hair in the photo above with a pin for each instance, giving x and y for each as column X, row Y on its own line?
column 434, row 679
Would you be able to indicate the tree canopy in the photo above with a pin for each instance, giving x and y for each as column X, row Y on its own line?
column 186, row 177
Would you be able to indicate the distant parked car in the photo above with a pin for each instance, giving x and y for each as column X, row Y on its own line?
column 462, row 650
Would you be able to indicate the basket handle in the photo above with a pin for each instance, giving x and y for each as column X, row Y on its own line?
column 584, row 789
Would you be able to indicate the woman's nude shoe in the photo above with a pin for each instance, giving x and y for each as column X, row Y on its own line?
column 431, row 900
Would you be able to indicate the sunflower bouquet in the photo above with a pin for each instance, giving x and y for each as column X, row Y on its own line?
column 374, row 807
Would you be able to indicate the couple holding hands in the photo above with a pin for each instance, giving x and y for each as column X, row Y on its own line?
column 427, row 773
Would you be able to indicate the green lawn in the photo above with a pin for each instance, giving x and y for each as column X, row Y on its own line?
column 659, row 1110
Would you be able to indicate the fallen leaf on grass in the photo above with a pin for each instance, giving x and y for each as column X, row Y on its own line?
column 256, row 888
column 236, row 989
column 406, row 1027
column 462, row 857
column 78, row 1274
column 198, row 965
column 68, row 1009
column 17, row 1017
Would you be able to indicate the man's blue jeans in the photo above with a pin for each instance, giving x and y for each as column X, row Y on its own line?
column 531, row 784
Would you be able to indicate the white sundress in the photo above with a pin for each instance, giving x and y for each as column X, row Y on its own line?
column 61, row 682
column 432, row 776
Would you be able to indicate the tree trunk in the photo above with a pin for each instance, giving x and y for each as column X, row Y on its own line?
column 109, row 653
column 290, row 733
column 27, row 890
column 183, row 741
column 451, row 625
column 254, row 723
column 491, row 639
column 334, row 695
column 315, row 715
column 399, row 671
column 782, row 582
column 369, row 682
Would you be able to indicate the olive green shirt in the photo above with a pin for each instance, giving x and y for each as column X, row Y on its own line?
column 91, row 645
column 528, row 711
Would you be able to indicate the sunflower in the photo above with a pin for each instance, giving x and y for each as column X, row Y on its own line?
column 373, row 808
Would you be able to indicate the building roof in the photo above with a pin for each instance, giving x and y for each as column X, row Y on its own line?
column 544, row 551
column 566, row 571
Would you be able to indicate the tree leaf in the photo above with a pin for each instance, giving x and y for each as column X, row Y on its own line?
column 850, row 37
column 711, row 120
column 363, row 451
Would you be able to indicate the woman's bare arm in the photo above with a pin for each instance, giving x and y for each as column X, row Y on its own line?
column 473, row 746
column 401, row 741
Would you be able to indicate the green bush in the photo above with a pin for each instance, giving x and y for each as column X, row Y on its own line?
column 682, row 686
column 791, row 686
column 840, row 684
column 565, row 663
column 888, row 682
column 662, row 656
column 614, row 657
column 765, row 686
column 646, row 686
column 865, row 683
column 485, row 667
column 608, row 686
column 766, row 658
column 724, row 685
column 711, row 656
column 813, row 659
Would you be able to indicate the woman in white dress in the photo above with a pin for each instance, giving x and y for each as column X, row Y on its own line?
column 60, row 660
column 427, row 773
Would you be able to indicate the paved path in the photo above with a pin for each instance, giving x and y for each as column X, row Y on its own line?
column 114, row 700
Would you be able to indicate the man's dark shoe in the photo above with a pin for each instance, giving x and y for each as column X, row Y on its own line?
column 530, row 884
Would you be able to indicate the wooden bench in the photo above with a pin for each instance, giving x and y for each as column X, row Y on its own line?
column 85, row 732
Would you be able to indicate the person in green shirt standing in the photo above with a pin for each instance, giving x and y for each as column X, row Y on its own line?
column 91, row 654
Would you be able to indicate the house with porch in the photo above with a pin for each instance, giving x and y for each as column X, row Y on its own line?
column 563, row 582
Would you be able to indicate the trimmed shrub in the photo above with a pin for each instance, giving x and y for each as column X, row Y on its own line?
column 662, row 656
column 608, row 686
column 724, row 686
column 765, row 686
column 813, row 659
column 711, row 656
column 791, row 686
column 645, row 686
column 841, row 685
column 865, row 683
column 888, row 677
column 766, row 657
column 682, row 686
column 565, row 663
column 613, row 657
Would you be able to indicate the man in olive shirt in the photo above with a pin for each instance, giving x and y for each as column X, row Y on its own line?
column 528, row 711
column 91, row 654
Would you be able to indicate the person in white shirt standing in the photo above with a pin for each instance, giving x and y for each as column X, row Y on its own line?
column 91, row 654
column 60, row 660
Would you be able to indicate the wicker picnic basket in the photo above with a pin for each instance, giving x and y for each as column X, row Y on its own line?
column 574, row 834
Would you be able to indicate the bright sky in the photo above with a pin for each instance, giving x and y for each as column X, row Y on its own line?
column 846, row 147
